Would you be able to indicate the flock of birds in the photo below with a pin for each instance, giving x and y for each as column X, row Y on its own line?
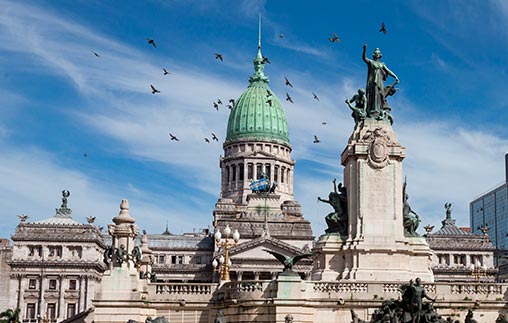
column 218, row 56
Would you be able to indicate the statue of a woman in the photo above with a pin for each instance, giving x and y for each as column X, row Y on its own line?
column 377, row 73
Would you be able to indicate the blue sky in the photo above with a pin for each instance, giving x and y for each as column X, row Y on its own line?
column 58, row 100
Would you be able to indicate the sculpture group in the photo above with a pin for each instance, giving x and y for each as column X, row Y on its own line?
column 372, row 102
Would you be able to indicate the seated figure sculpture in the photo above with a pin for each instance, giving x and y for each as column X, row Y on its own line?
column 337, row 221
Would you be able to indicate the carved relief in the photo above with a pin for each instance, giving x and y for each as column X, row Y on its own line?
column 377, row 153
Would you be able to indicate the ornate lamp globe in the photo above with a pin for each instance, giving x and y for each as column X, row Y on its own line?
column 236, row 236
column 217, row 235
column 227, row 230
column 221, row 259
column 215, row 263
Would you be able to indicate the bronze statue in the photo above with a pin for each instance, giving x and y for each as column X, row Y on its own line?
column 288, row 261
column 469, row 317
column 411, row 220
column 219, row 317
column 65, row 195
column 377, row 73
column 337, row 221
column 121, row 253
column 412, row 299
column 360, row 101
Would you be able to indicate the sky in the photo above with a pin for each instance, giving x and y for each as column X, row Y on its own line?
column 59, row 101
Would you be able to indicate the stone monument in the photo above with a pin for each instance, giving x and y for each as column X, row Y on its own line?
column 123, row 292
column 374, row 247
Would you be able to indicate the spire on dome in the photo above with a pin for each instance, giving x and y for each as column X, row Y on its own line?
column 259, row 61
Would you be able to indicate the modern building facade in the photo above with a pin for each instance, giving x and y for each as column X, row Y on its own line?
column 490, row 210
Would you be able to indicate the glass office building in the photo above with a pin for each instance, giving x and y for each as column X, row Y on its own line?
column 491, row 210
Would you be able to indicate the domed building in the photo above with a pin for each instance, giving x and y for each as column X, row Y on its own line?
column 257, row 150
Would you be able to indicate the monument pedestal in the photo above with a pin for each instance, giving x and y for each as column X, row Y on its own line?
column 375, row 248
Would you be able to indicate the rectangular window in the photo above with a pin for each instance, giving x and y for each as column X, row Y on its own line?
column 250, row 171
column 259, row 170
column 71, row 310
column 198, row 260
column 240, row 171
column 52, row 284
column 32, row 283
column 233, row 169
column 30, row 311
column 180, row 260
column 276, row 174
column 51, row 311
column 31, row 251
column 72, row 284
column 162, row 259
column 282, row 174
column 227, row 174
column 268, row 171
column 173, row 259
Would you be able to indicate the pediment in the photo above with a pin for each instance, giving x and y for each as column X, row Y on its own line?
column 254, row 249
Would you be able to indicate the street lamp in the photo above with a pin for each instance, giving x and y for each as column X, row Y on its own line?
column 224, row 263
column 478, row 271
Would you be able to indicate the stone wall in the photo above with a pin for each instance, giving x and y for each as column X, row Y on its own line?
column 5, row 271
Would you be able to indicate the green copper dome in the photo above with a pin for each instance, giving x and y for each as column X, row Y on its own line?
column 257, row 114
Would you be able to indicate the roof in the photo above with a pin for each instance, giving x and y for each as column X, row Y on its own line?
column 257, row 114
column 61, row 217
column 163, row 241
column 450, row 237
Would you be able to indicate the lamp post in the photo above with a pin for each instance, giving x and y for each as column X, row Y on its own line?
column 478, row 271
column 224, row 263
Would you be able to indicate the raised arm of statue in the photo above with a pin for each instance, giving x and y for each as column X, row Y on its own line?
column 364, row 55
column 335, row 185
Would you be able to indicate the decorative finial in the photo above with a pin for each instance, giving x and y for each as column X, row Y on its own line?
column 22, row 218
column 123, row 216
column 428, row 228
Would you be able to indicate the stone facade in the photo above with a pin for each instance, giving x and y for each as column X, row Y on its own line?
column 461, row 256
column 54, row 267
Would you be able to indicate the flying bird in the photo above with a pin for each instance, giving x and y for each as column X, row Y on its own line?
column 232, row 101
column 266, row 60
column 269, row 102
column 154, row 90
column 90, row 219
column 287, row 82
column 323, row 123
column 85, row 154
column 281, row 36
column 288, row 98
column 334, row 39
column 383, row 28
column 219, row 56
column 166, row 72
column 219, row 101
column 96, row 54
column 268, row 93
column 229, row 106
column 214, row 137
column 288, row 261
column 316, row 140
column 151, row 42
column 173, row 137
column 315, row 96
column 216, row 106
column 207, row 140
